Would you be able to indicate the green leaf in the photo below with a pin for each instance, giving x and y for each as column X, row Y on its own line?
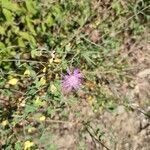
column 18, row 146
column 33, row 41
column 117, row 7
column 25, row 35
column 87, row 56
column 30, row 109
column 10, row 5
column 57, row 12
column 2, row 30
column 8, row 15
column 30, row 26
column 2, row 45
column 15, row 29
column 38, row 102
column 28, row 37
column 43, row 27
column 49, row 21
column 30, row 6
column 20, row 42
column 51, row 111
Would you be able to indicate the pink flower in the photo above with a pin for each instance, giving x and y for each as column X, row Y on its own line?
column 71, row 81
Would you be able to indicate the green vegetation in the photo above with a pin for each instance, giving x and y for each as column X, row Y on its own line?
column 39, row 40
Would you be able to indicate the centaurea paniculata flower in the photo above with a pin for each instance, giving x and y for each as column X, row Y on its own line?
column 72, row 81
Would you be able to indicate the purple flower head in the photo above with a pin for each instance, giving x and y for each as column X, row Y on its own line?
column 71, row 81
